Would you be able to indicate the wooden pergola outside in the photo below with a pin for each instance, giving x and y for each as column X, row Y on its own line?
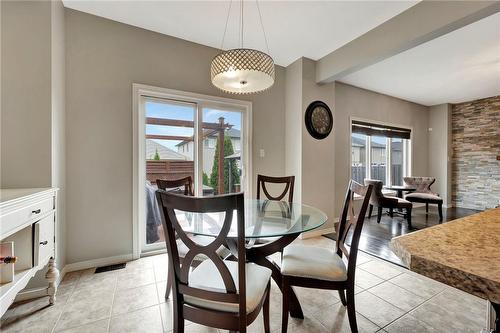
column 208, row 130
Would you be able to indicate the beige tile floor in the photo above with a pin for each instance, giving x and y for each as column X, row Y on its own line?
column 389, row 299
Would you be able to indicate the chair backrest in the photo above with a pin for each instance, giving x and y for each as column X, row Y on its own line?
column 348, row 221
column 229, row 204
column 377, row 197
column 289, row 182
column 175, row 184
column 422, row 184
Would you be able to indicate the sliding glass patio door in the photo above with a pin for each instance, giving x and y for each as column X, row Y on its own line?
column 184, row 138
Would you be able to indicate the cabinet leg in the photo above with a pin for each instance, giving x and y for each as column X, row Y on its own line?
column 52, row 276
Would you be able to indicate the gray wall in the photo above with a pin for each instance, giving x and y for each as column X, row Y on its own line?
column 310, row 160
column 26, row 94
column 318, row 161
column 33, row 104
column 356, row 102
column 440, row 150
column 58, row 124
column 293, row 125
column 103, row 59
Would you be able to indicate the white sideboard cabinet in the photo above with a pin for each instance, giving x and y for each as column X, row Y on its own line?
column 28, row 219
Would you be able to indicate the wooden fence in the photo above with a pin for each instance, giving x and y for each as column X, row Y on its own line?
column 358, row 173
column 168, row 169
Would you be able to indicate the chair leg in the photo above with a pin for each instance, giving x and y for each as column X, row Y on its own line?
column 342, row 297
column 178, row 318
column 351, row 309
column 285, row 304
column 379, row 215
column 408, row 216
column 426, row 207
column 440, row 209
column 169, row 285
column 391, row 213
column 370, row 211
column 265, row 310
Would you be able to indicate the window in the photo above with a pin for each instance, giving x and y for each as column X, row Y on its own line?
column 378, row 158
column 397, row 157
column 379, row 152
column 211, row 142
column 358, row 157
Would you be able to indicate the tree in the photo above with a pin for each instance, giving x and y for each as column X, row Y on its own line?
column 206, row 180
column 228, row 165
column 157, row 156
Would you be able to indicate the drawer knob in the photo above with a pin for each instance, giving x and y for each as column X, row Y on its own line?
column 44, row 243
column 36, row 211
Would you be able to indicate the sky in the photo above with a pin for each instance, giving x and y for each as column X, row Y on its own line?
column 183, row 112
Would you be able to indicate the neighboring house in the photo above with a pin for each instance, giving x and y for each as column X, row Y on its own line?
column 186, row 148
column 165, row 153
column 378, row 152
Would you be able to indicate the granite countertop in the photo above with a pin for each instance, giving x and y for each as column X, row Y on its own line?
column 463, row 253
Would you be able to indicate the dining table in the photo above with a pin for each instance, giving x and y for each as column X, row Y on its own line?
column 462, row 253
column 269, row 227
column 400, row 189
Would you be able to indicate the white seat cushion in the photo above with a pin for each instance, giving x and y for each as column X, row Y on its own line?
column 313, row 262
column 206, row 276
column 424, row 196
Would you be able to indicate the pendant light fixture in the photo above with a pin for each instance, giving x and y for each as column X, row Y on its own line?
column 242, row 70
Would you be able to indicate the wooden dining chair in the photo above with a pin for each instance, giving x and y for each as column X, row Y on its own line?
column 175, row 186
column 320, row 268
column 217, row 293
column 379, row 200
column 424, row 194
column 289, row 182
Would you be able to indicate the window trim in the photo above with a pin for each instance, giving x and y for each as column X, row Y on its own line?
column 407, row 153
column 139, row 91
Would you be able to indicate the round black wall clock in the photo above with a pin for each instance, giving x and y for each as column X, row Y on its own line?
column 319, row 120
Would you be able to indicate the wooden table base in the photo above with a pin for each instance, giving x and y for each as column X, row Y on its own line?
column 259, row 254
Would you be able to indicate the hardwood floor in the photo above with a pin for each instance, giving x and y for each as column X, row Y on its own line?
column 375, row 237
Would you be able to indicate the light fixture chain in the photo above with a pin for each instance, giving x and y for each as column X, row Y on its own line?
column 225, row 28
column 262, row 26
column 242, row 17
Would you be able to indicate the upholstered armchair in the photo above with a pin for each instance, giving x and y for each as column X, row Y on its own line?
column 379, row 200
column 423, row 193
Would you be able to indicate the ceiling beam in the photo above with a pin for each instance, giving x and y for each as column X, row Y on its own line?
column 419, row 24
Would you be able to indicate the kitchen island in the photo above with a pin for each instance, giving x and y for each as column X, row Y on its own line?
column 463, row 253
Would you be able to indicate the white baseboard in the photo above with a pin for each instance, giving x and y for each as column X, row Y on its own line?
column 41, row 292
column 97, row 262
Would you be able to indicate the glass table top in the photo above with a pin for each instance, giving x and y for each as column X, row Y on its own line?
column 263, row 218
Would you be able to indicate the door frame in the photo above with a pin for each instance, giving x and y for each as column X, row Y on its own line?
column 139, row 161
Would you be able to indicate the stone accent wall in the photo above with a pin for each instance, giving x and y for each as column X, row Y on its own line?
column 476, row 145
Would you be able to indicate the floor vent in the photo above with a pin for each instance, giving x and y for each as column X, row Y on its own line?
column 110, row 268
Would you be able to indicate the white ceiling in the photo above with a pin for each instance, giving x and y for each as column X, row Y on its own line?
column 294, row 29
column 461, row 66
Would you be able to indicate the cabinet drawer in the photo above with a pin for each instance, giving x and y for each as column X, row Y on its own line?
column 43, row 240
column 26, row 213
